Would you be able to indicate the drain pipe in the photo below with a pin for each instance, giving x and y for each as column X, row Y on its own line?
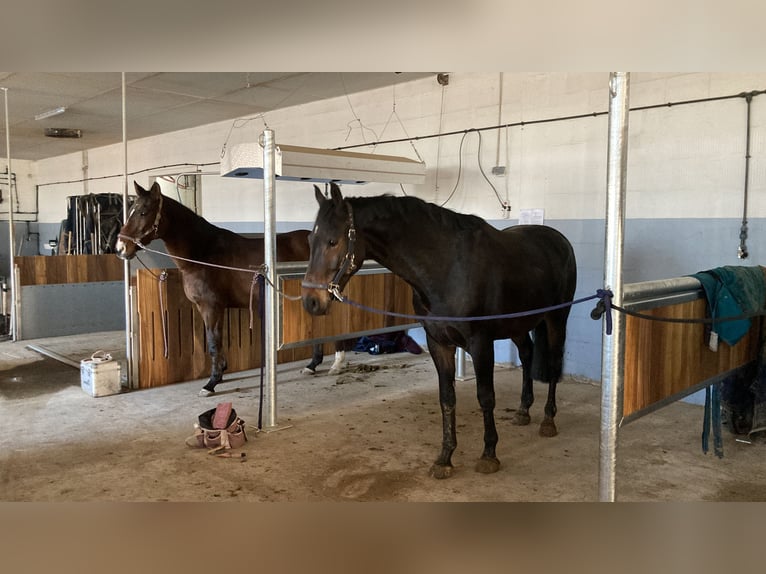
column 742, row 249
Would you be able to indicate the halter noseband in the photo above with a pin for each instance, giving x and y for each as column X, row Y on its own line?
column 347, row 266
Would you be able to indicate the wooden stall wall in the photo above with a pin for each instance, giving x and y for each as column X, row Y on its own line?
column 183, row 332
column 663, row 360
column 384, row 291
column 54, row 269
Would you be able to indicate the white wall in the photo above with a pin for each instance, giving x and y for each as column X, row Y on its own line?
column 677, row 154
column 685, row 166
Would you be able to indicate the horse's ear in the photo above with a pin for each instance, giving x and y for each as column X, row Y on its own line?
column 156, row 189
column 319, row 195
column 335, row 193
column 140, row 191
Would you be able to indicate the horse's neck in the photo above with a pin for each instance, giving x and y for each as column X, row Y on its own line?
column 189, row 234
column 406, row 248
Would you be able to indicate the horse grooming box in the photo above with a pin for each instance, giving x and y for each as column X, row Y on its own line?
column 100, row 375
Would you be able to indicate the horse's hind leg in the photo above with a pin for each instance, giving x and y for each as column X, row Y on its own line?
column 483, row 355
column 556, row 334
column 316, row 359
column 525, row 347
column 444, row 360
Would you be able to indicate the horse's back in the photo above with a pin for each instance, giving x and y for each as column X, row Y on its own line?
column 541, row 243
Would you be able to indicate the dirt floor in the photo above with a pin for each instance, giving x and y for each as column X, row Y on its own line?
column 367, row 435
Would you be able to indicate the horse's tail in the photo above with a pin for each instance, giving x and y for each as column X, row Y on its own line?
column 546, row 366
column 540, row 363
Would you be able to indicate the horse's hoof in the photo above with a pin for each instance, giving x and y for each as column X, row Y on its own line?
column 441, row 471
column 336, row 370
column 308, row 371
column 520, row 419
column 206, row 393
column 548, row 428
column 487, row 465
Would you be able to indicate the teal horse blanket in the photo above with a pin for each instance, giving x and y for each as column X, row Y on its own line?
column 741, row 397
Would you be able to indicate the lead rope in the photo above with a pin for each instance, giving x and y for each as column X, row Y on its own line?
column 163, row 284
column 261, row 308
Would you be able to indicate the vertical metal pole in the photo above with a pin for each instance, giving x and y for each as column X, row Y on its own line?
column 11, row 231
column 269, row 361
column 460, row 364
column 613, row 347
column 126, row 263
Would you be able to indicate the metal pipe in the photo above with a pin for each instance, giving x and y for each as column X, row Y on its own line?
column 613, row 346
column 659, row 287
column 126, row 263
column 11, row 231
column 269, row 362
column 460, row 364
column 742, row 249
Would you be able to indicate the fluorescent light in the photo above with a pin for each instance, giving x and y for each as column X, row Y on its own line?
column 50, row 113
column 295, row 163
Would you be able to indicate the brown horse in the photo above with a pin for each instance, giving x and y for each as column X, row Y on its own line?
column 211, row 289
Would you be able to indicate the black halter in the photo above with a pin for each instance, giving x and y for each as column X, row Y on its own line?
column 347, row 266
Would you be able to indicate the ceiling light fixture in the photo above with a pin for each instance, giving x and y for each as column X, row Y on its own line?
column 50, row 113
column 296, row 163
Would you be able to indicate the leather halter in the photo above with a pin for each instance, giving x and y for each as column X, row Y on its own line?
column 155, row 227
column 347, row 266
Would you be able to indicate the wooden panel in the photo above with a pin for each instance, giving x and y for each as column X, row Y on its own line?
column 52, row 269
column 664, row 359
column 187, row 345
column 383, row 291
column 187, row 354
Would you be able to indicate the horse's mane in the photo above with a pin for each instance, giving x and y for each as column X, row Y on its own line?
column 409, row 207
column 201, row 224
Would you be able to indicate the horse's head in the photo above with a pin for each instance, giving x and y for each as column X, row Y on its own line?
column 142, row 225
column 336, row 252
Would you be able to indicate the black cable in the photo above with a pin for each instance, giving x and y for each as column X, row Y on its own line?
column 131, row 173
column 560, row 119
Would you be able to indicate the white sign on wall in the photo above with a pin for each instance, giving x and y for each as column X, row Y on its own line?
column 534, row 216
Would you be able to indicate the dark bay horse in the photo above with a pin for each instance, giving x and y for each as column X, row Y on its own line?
column 211, row 289
column 458, row 266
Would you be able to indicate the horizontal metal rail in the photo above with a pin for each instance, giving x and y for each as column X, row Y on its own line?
column 661, row 292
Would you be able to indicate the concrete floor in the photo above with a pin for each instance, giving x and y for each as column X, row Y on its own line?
column 368, row 435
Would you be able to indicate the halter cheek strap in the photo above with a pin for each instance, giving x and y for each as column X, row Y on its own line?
column 347, row 266
column 155, row 228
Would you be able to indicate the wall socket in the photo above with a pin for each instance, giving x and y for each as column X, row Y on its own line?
column 498, row 170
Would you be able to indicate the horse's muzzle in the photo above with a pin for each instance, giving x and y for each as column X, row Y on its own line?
column 122, row 251
column 315, row 304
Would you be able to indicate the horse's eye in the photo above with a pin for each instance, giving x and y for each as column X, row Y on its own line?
column 332, row 243
column 142, row 214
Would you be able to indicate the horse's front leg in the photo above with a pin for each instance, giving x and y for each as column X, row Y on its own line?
column 483, row 355
column 444, row 360
column 213, row 331
column 316, row 359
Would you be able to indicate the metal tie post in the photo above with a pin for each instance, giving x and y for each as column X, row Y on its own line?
column 613, row 347
column 269, row 361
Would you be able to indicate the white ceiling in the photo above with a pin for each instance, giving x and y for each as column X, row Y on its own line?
column 156, row 102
